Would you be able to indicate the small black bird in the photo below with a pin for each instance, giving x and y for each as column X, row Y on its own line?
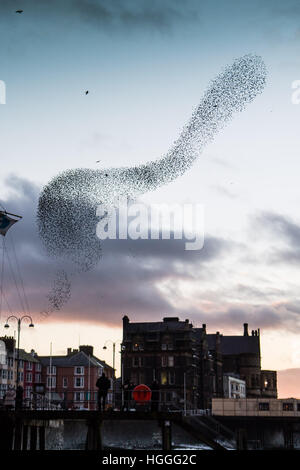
column 19, row 11
column 86, row 92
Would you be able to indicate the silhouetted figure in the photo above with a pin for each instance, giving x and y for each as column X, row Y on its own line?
column 103, row 385
column 155, row 395
column 19, row 397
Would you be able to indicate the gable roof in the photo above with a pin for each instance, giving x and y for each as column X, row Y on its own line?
column 72, row 360
column 25, row 356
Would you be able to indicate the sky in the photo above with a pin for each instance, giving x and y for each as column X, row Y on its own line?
column 146, row 66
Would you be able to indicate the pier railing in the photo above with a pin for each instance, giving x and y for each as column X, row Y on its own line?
column 169, row 400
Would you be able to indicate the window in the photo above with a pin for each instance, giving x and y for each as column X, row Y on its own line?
column 79, row 396
column 29, row 366
column 138, row 347
column 51, row 382
column 164, row 377
column 51, row 370
column 287, row 406
column 21, row 376
column 134, row 378
column 65, row 382
column 298, row 406
column 38, row 367
column 28, row 391
column 171, row 377
column 37, row 378
column 264, row 406
column 29, row 377
column 78, row 382
column 167, row 377
column 167, row 361
column 137, row 361
column 79, row 370
column 171, row 361
column 21, row 363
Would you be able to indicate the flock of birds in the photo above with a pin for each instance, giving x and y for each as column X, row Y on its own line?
column 67, row 205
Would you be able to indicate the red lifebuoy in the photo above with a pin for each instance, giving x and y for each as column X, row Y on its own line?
column 141, row 393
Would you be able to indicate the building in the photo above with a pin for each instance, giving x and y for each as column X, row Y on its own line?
column 30, row 373
column 233, row 387
column 71, row 379
column 165, row 351
column 3, row 369
column 240, row 356
column 191, row 366
column 282, row 407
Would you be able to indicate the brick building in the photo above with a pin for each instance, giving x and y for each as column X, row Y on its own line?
column 190, row 365
column 29, row 369
column 71, row 379
column 166, row 351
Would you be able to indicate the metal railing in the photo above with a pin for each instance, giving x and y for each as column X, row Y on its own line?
column 169, row 400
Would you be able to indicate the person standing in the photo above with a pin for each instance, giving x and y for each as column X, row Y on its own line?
column 103, row 384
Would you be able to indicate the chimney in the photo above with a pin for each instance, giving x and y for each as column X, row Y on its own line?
column 88, row 350
column 69, row 351
column 246, row 329
column 252, row 332
column 125, row 321
column 172, row 319
column 204, row 327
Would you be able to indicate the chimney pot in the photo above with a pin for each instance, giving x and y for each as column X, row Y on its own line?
column 246, row 329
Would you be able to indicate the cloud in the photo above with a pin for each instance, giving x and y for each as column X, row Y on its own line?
column 128, row 278
column 284, row 234
column 145, row 279
column 223, row 191
column 160, row 15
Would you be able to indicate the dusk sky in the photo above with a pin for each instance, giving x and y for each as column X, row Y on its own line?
column 146, row 65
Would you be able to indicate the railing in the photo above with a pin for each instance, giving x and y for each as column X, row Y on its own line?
column 170, row 400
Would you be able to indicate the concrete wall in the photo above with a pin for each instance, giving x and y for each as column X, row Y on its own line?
column 250, row 407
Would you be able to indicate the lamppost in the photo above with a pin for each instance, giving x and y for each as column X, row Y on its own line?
column 19, row 320
column 114, row 360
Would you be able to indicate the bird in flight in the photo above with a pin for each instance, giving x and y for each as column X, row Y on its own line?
column 19, row 11
column 86, row 92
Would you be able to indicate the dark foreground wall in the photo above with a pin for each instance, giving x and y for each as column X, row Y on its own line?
column 265, row 432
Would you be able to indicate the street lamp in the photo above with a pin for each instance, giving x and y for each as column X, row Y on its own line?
column 19, row 320
column 114, row 360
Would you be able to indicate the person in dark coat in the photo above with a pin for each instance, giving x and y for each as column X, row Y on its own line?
column 103, row 384
column 154, row 396
column 127, row 395
column 19, row 397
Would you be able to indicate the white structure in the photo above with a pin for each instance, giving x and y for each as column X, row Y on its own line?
column 233, row 387
column 256, row 407
column 3, row 369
